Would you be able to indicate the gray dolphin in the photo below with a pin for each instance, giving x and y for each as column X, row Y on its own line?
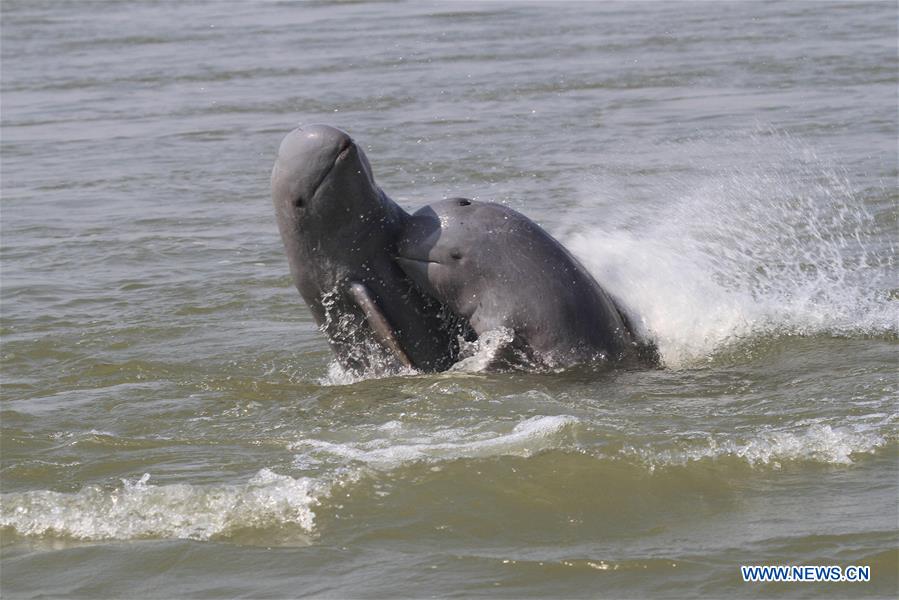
column 498, row 269
column 339, row 231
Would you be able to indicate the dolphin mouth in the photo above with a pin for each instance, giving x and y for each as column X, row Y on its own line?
column 412, row 259
column 342, row 152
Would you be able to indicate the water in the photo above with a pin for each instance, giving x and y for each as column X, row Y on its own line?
column 173, row 424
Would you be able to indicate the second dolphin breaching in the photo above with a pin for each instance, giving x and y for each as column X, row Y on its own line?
column 394, row 291
column 498, row 269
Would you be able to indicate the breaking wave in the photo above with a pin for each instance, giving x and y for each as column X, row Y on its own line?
column 138, row 509
column 396, row 445
column 818, row 443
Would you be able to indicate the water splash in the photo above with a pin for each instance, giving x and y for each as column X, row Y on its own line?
column 337, row 374
column 365, row 358
column 777, row 243
column 483, row 352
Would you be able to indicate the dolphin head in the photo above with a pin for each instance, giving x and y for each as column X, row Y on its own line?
column 331, row 214
column 319, row 173
column 447, row 250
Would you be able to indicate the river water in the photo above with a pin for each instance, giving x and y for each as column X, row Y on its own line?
column 172, row 422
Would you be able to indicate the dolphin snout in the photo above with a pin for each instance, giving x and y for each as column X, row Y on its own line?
column 323, row 136
column 305, row 158
column 315, row 147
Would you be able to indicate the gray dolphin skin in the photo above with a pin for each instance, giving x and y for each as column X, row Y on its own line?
column 339, row 232
column 498, row 269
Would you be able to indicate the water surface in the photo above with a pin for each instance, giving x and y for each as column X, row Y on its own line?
column 172, row 422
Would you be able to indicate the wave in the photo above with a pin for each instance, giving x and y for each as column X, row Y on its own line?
column 282, row 508
column 818, row 443
column 394, row 445
column 397, row 446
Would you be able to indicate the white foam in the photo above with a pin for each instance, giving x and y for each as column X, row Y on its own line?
column 396, row 446
column 776, row 243
column 142, row 510
column 339, row 375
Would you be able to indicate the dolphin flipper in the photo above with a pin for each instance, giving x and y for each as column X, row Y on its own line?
column 381, row 327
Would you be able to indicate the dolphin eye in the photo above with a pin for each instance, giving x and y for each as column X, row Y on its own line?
column 464, row 202
column 456, row 255
column 299, row 202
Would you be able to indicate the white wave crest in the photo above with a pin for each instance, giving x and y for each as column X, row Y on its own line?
column 817, row 443
column 182, row 511
column 526, row 438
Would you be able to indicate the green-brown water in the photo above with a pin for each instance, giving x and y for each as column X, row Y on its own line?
column 172, row 425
